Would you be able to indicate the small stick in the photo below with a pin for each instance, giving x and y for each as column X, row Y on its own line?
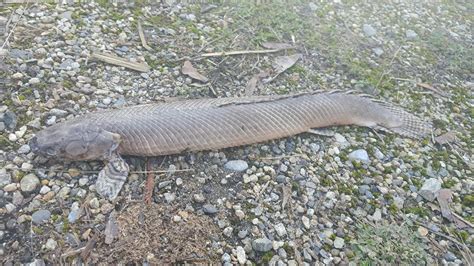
column 142, row 37
column 115, row 60
column 240, row 52
column 150, row 184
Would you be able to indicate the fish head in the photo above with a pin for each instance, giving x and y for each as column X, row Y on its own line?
column 75, row 142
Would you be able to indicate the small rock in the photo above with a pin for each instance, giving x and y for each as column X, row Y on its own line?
column 64, row 192
column 199, row 198
column 377, row 51
column 75, row 213
column 34, row 81
column 423, row 231
column 29, row 183
column 262, row 244
column 411, row 35
column 338, row 243
column 10, row 120
column 10, row 187
column 169, row 197
column 5, row 178
column 377, row 216
column 236, row 165
column 369, row 31
column 250, row 178
column 359, row 155
column 74, row 172
column 17, row 75
column 94, row 203
column 280, row 229
column 24, row 149
column 449, row 256
column 209, row 209
column 26, row 167
column 40, row 216
column 44, row 190
column 51, row 244
column 430, row 189
column 241, row 257
column 306, row 222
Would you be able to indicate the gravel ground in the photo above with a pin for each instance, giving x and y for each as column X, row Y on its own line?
column 346, row 196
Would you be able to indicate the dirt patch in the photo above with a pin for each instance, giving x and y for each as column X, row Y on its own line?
column 151, row 233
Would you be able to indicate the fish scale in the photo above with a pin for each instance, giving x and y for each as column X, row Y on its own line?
column 209, row 124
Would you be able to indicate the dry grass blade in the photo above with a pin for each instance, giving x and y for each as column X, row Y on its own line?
column 115, row 60
column 142, row 37
column 190, row 71
column 431, row 88
column 240, row 52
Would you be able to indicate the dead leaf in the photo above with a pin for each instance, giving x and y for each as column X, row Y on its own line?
column 111, row 229
column 190, row 71
column 431, row 88
column 255, row 81
column 447, row 137
column 276, row 45
column 282, row 63
column 444, row 198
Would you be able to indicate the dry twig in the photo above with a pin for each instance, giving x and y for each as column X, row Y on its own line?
column 240, row 52
column 115, row 60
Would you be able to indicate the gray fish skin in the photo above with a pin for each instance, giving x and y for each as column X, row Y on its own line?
column 210, row 124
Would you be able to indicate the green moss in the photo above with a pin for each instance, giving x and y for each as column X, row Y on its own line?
column 468, row 201
column 420, row 211
column 392, row 208
column 266, row 257
column 326, row 182
column 38, row 230
column 449, row 183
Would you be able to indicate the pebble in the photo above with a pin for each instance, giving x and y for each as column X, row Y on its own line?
column 236, row 165
column 378, row 51
column 169, row 197
column 40, row 216
column 10, row 187
column 26, row 167
column 241, row 257
column 411, row 35
column 209, row 209
column 5, row 177
column 44, row 190
column 369, row 31
column 430, row 189
column 75, row 212
column 280, row 229
column 262, row 244
column 250, row 178
column 377, row 216
column 24, row 149
column 34, row 81
column 199, row 198
column 359, row 155
column 338, row 243
column 423, row 231
column 51, row 244
column 449, row 256
column 64, row 192
column 29, row 183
